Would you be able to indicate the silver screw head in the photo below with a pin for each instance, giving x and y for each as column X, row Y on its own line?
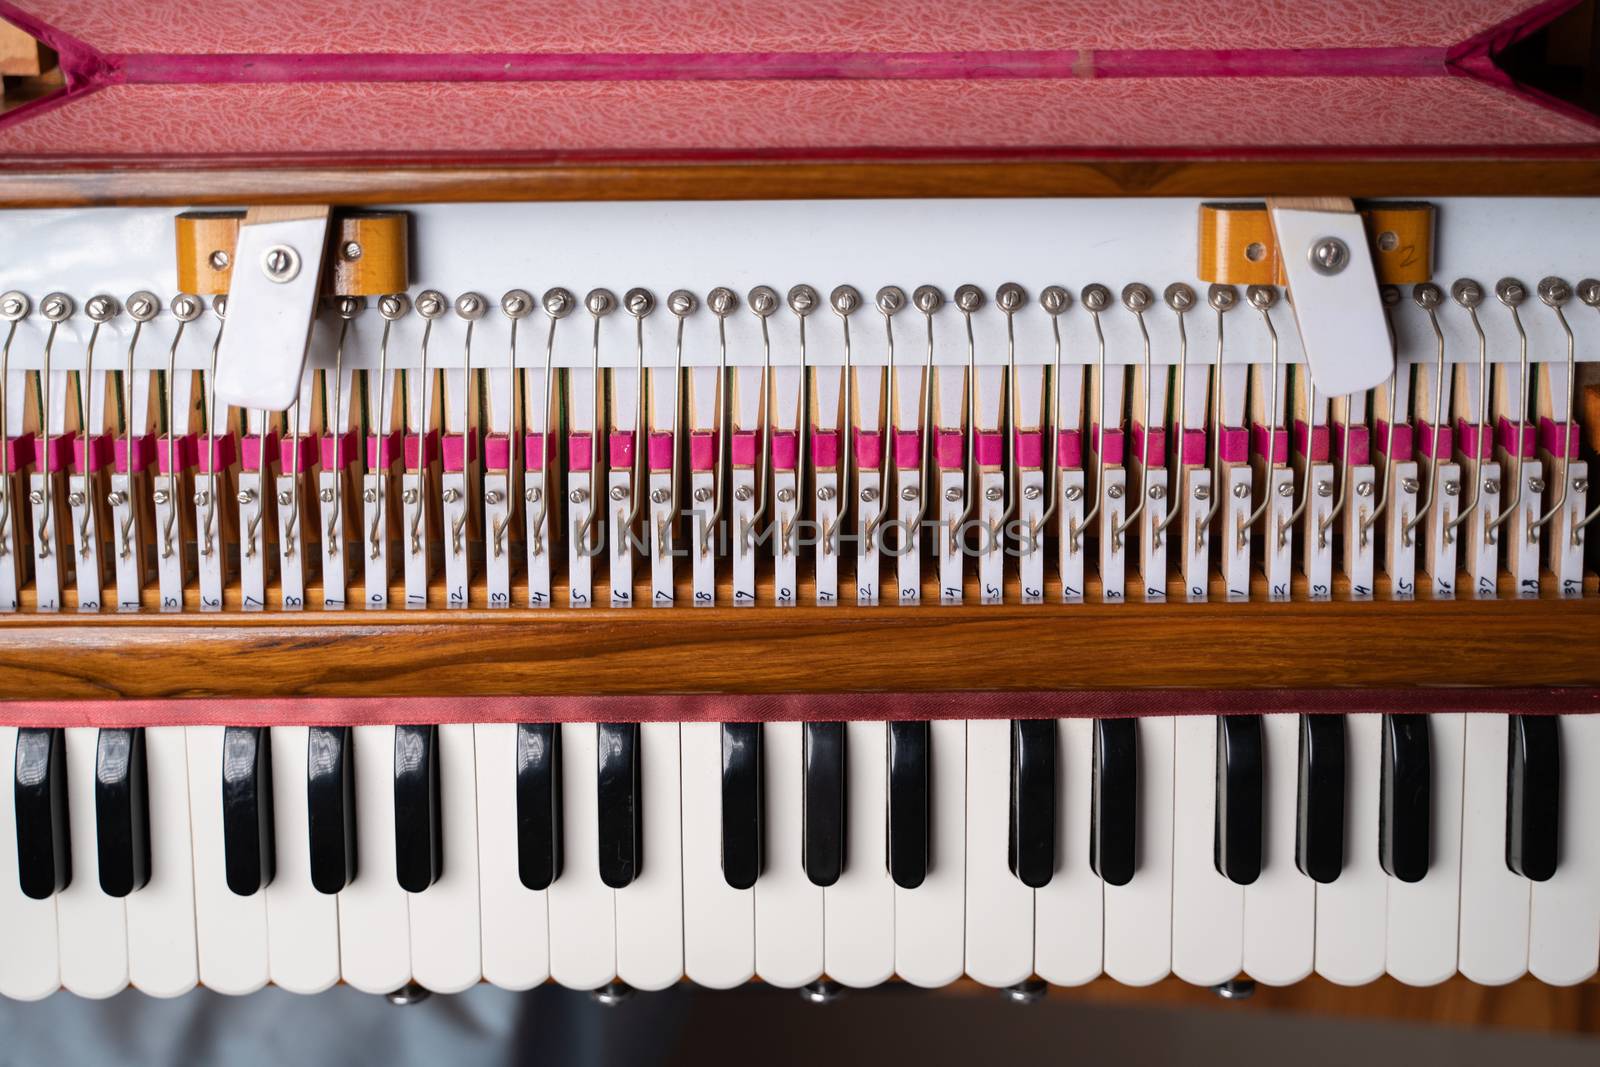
column 763, row 300
column 1179, row 297
column 1221, row 297
column 1261, row 297
column 1589, row 291
column 1114, row 492
column 186, row 308
column 969, row 298
column 742, row 493
column 533, row 494
column 660, row 496
column 394, row 306
column 201, row 497
column 844, row 300
column 618, row 493
column 117, row 497
column 1074, row 492
column 1054, row 299
column 348, row 307
column 494, row 497
column 101, row 308
column 280, row 264
column 1491, row 486
column 890, row 299
column 909, row 493
column 1095, row 298
column 1010, row 297
column 1363, row 489
column 1031, row 492
column 557, row 302
column 219, row 260
column 1466, row 292
column 369, row 496
column 1158, row 492
column 952, row 494
column 56, row 307
column 143, row 306
column 1241, row 491
column 1202, row 492
column 994, row 492
column 802, row 299
column 1324, row 489
column 1554, row 291
column 1536, row 485
column 870, row 493
column 351, row 250
column 825, row 493
column 452, row 495
column 284, row 498
column 77, row 499
column 1452, row 488
column 722, row 301
column 326, row 496
column 1389, row 295
column 516, row 303
column 1580, row 485
column 702, row 494
column 928, row 299
column 1427, row 296
column 1136, row 296
column 578, row 496
column 682, row 302
column 244, row 496
column 785, row 495
column 1510, row 292
column 36, row 497
column 410, row 496
column 1286, row 489
column 431, row 303
column 13, row 306
column 639, row 302
column 600, row 302
column 471, row 306
column 1329, row 256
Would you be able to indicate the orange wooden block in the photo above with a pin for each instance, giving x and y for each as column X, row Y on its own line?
column 1237, row 246
column 369, row 255
column 1402, row 242
column 20, row 55
column 206, row 242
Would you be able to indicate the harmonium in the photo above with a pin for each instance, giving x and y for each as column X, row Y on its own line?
column 823, row 494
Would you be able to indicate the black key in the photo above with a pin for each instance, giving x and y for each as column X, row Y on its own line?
column 621, row 837
column 1533, row 796
column 1114, row 822
column 249, row 855
column 331, row 807
column 121, row 811
column 1405, row 798
column 538, row 804
column 741, row 803
column 1319, row 829
column 418, row 848
column 44, row 856
column 1237, row 848
column 822, row 824
column 909, row 763
column 1031, row 842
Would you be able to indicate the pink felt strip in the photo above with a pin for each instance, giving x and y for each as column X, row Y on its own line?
column 989, row 448
column 1424, row 437
column 98, row 450
column 429, row 451
column 535, row 450
column 824, row 449
column 792, row 707
column 61, row 448
column 620, row 449
column 1030, row 449
column 869, row 448
column 663, row 453
column 1402, row 441
column 580, row 452
column 1150, row 447
column 1321, row 449
column 1360, row 438
column 143, row 453
column 336, row 450
column 383, row 451
column 785, row 450
column 223, row 452
column 1473, row 442
column 250, row 446
column 949, row 449
column 1550, row 438
column 745, row 448
column 1192, row 452
column 908, row 449
column 702, row 450
column 1506, row 434
column 497, row 451
column 184, row 451
column 1279, row 443
column 1069, row 449
column 1113, row 444
column 1235, row 444
column 460, row 449
column 305, row 445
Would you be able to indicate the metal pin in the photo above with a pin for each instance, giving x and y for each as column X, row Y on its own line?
column 142, row 306
column 1262, row 297
column 392, row 308
column 1511, row 293
column 557, row 304
column 185, row 309
column 430, row 305
column 14, row 306
column 722, row 302
column 348, row 307
column 763, row 301
column 57, row 308
column 1180, row 298
column 802, row 300
column 1221, row 299
column 1095, row 299
column 1469, row 294
column 969, row 298
column 1428, row 297
column 1009, row 298
column 515, row 305
column 1136, row 297
column 640, row 303
column 100, row 309
column 844, row 299
column 471, row 307
column 682, row 304
column 1554, row 293
column 1054, row 299
column 928, row 300
column 889, row 300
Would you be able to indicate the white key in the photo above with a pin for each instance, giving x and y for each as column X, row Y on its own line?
column 1353, row 909
column 374, row 912
column 1280, row 908
column 1564, row 939
column 1138, row 918
column 859, row 908
column 162, row 958
column 514, row 920
column 93, row 926
column 719, row 926
column 1068, row 911
column 930, row 941
column 789, row 909
column 1422, row 927
column 1494, row 901
column 444, row 917
column 302, row 924
column 29, row 955
column 583, row 923
column 231, row 931
column 1207, row 909
column 999, row 906
column 650, row 910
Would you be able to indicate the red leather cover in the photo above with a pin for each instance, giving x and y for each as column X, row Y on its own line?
column 299, row 81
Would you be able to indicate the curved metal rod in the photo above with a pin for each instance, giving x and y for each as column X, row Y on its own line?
column 846, row 426
column 172, row 443
column 1144, row 479
column 5, row 442
column 1577, row 527
column 1203, row 522
column 126, row 532
column 1273, row 415
column 885, row 466
column 536, row 523
column 335, row 533
column 1009, row 427
column 1534, row 524
column 1482, row 430
column 1438, row 417
column 1054, row 429
column 1076, row 528
column 677, row 409
column 293, row 525
column 1287, row 523
column 1371, row 518
column 1176, row 444
column 85, row 403
column 47, row 507
column 254, row 526
column 380, row 417
column 803, row 431
column 719, row 439
column 1491, row 525
column 926, row 428
column 459, row 526
column 641, row 431
column 422, row 438
column 208, row 545
column 971, row 480
column 498, row 531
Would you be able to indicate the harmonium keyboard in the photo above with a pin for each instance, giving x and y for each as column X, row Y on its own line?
column 815, row 499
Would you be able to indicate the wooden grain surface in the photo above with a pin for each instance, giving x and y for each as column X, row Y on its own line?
column 157, row 181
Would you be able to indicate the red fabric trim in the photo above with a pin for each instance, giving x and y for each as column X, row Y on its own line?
column 371, row 711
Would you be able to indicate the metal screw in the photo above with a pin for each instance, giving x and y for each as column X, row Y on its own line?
column 1073, row 492
column 143, row 305
column 1202, row 492
column 785, row 495
column 1054, row 299
column 890, row 299
column 952, row 494
column 1510, row 292
column 600, row 302
column 1363, row 489
column 1027, row 991
column 494, row 497
column 702, row 495
column 1235, row 989
column 612, row 993
column 532, row 494
column 1114, row 492
column 77, row 500
column 869, row 493
column 280, row 263
column 1535, row 485
column 1031, row 492
column 219, row 260
column 394, row 306
column 56, row 307
column 1589, row 292
column 326, row 496
column 1010, row 296
column 1286, row 489
column 431, row 304
column 928, row 299
column 471, row 306
column 661, row 496
column 202, row 498
column 13, row 306
column 742, row 492
column 1261, row 297
column 1324, row 489
column 1452, row 488
column 351, row 250
column 245, row 496
column 578, row 496
column 410, row 496
column 100, row 308
column 1388, row 241
column 186, row 308
column 802, row 300
column 1179, row 297
column 844, row 299
column 994, row 492
column 117, row 497
column 1491, row 486
column 452, row 495
column 284, row 497
column 618, row 493
column 1466, row 292
column 1329, row 256
column 1580, row 485
column 368, row 496
column 1095, row 297
column 1241, row 491
column 1427, row 295
column 1554, row 291
column 969, row 298
column 909, row 493
column 822, row 991
column 1221, row 297
column 681, row 302
column 36, row 497
column 1136, row 296
column 763, row 300
column 1158, row 492
column 825, row 493
column 408, row 994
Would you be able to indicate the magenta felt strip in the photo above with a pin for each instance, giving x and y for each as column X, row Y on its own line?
column 382, row 451
column 60, row 449
column 949, row 449
column 1319, row 441
column 1030, row 449
column 1235, row 444
column 1193, row 452
column 252, row 450
column 824, row 448
column 1550, row 436
column 989, row 448
column 535, row 450
column 908, row 449
column 1277, row 445
column 223, row 452
column 702, row 450
column 460, row 449
column 785, row 450
column 289, row 447
column 143, row 451
column 19, row 452
column 1112, row 444
column 1395, row 447
column 1120, row 703
column 869, row 448
column 619, row 449
column 1508, row 438
column 419, row 454
column 1150, row 448
column 744, row 449
column 99, row 450
column 580, row 452
column 1359, row 439
column 1474, row 442
column 1069, row 449
column 497, row 451
column 183, row 452
column 336, row 450
column 1425, row 438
